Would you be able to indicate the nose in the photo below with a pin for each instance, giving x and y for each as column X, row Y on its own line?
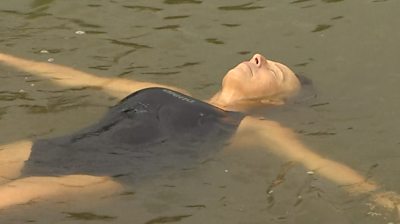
column 258, row 60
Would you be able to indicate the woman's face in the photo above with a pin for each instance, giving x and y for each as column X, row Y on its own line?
column 260, row 78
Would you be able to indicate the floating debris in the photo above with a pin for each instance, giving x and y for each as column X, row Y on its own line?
column 44, row 51
column 80, row 32
column 50, row 60
column 226, row 171
column 310, row 172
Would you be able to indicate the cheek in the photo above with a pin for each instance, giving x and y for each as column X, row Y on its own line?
column 233, row 79
column 264, row 87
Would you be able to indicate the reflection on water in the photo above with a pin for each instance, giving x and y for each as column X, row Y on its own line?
column 350, row 49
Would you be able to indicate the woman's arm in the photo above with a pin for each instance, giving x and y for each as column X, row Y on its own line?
column 12, row 158
column 283, row 142
column 28, row 189
column 67, row 76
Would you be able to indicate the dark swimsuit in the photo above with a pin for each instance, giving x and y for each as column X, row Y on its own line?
column 148, row 131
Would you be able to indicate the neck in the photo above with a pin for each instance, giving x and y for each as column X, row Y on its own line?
column 229, row 103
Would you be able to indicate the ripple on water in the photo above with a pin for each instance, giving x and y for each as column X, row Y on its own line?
column 230, row 24
column 57, row 104
column 337, row 17
column 182, row 2
column 299, row 1
column 88, row 216
column 167, row 27
column 12, row 12
column 39, row 12
column 128, row 44
column 177, row 17
column 161, row 73
column 12, row 96
column 40, row 3
column 244, row 52
column 332, row 1
column 142, row 8
column 214, row 41
column 3, row 111
column 101, row 67
column 187, row 64
column 29, row 15
column 321, row 27
column 167, row 219
column 246, row 6
column 81, row 23
column 94, row 5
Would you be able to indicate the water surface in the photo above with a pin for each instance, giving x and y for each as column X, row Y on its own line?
column 349, row 49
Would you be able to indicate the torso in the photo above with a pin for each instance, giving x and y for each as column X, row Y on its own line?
column 148, row 130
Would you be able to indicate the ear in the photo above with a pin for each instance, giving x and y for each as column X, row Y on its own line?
column 276, row 102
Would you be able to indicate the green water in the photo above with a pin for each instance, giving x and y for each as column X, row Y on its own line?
column 350, row 49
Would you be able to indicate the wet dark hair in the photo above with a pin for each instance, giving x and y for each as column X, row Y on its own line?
column 304, row 81
column 307, row 91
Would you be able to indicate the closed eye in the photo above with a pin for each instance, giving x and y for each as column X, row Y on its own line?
column 278, row 69
column 274, row 73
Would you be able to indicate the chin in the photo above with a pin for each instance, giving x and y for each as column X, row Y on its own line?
column 240, row 72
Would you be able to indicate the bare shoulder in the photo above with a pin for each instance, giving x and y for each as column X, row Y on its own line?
column 257, row 124
column 249, row 132
column 261, row 132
